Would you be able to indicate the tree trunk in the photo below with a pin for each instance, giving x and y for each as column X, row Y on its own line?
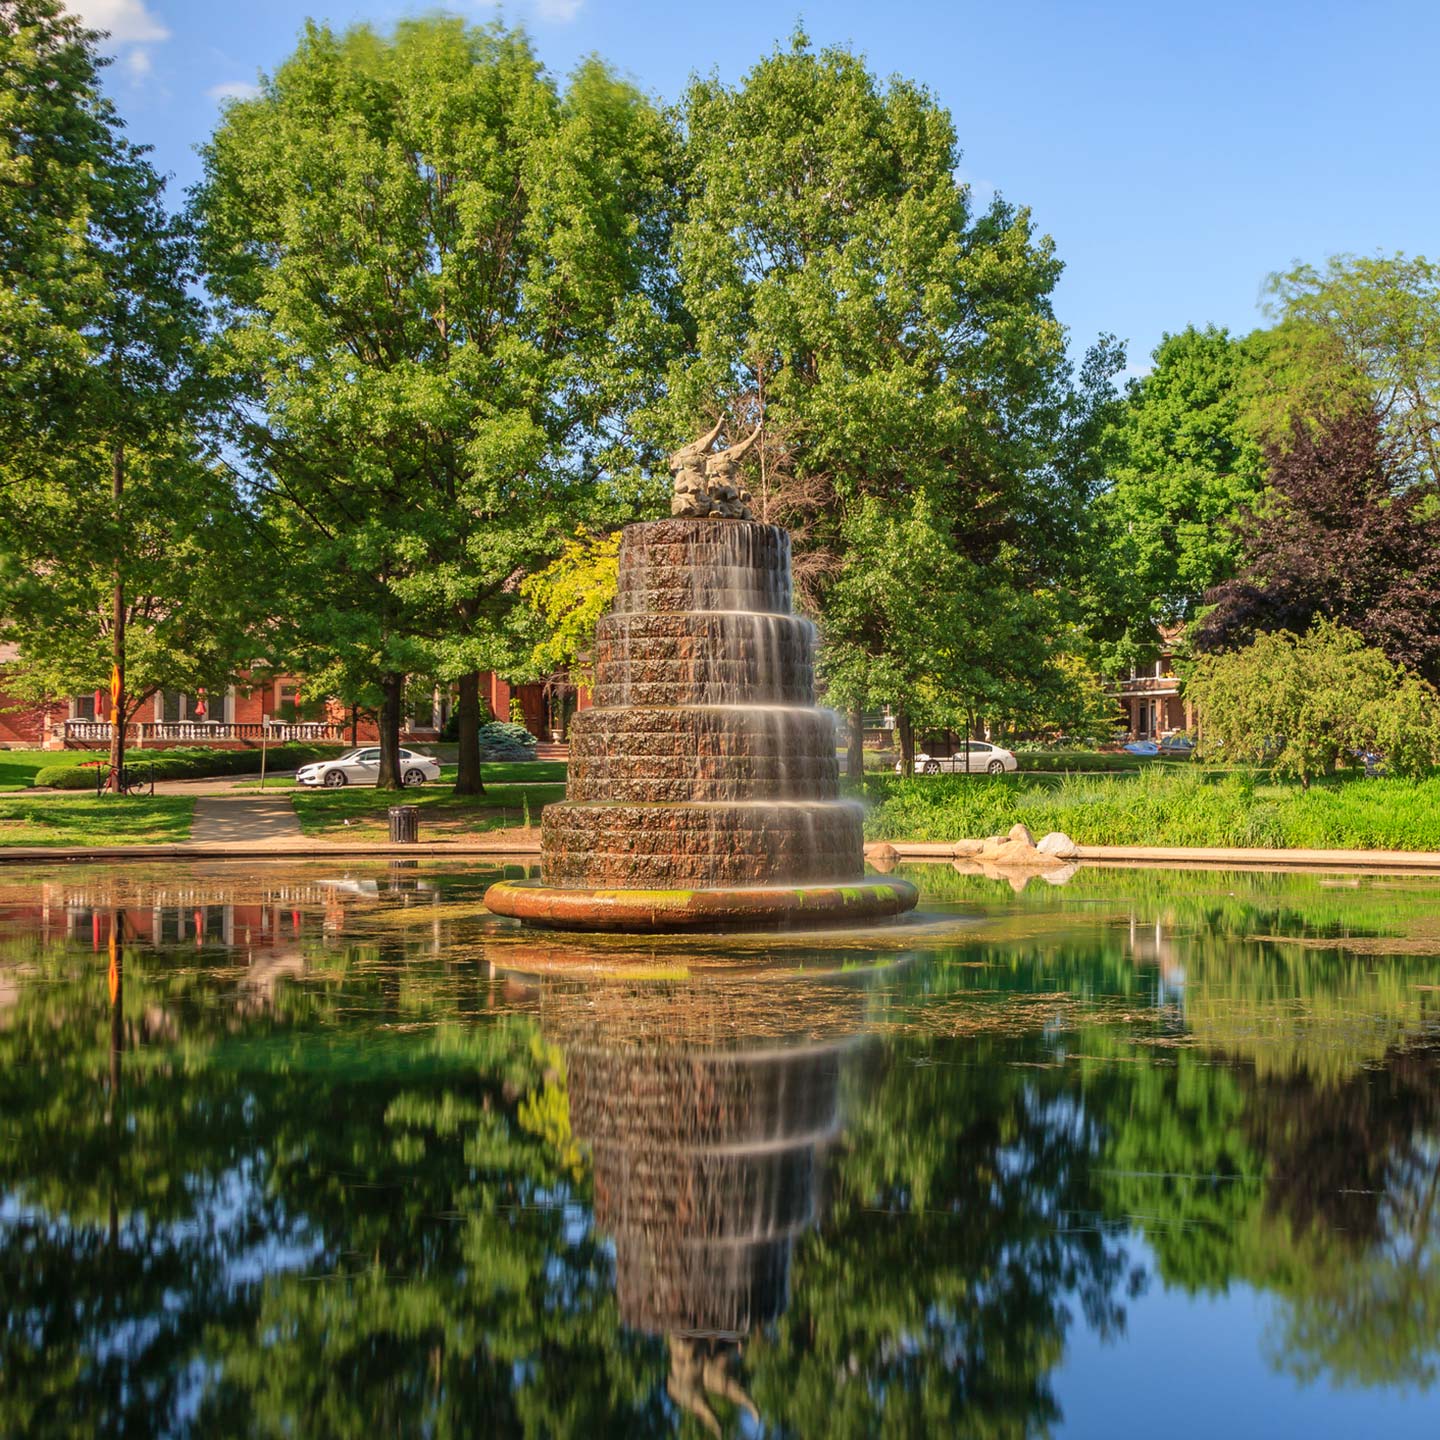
column 117, row 635
column 468, row 781
column 907, row 744
column 354, row 726
column 855, row 757
column 393, row 688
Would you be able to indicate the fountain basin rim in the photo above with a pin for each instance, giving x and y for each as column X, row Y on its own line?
column 750, row 907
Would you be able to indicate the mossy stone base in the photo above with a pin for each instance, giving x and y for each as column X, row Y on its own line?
column 740, row 908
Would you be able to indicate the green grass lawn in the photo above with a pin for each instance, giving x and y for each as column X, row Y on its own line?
column 18, row 767
column 355, row 814
column 87, row 820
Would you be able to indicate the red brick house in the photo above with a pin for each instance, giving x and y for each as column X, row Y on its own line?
column 1150, row 696
column 274, row 710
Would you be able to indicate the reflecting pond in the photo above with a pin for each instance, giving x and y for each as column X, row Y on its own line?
column 308, row 1150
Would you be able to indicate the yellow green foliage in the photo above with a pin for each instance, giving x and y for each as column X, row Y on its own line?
column 569, row 596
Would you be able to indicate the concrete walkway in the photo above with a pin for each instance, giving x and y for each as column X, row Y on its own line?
column 244, row 819
column 227, row 784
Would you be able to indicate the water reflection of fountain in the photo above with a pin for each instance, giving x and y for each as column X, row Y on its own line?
column 707, row 1109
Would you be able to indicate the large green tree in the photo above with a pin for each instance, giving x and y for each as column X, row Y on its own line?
column 1182, row 463
column 1362, row 329
column 109, row 508
column 895, row 342
column 440, row 283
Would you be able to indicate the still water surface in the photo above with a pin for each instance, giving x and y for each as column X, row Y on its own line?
column 328, row 1152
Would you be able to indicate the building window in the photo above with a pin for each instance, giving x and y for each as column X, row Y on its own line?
column 291, row 704
column 84, row 706
column 176, row 707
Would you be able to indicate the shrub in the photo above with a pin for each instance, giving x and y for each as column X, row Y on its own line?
column 65, row 777
column 1307, row 704
column 190, row 762
column 1064, row 760
column 506, row 740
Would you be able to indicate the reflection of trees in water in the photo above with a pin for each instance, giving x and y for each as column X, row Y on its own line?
column 1353, row 1205
column 963, row 1228
column 361, row 1208
column 290, row 1224
column 1322, row 1192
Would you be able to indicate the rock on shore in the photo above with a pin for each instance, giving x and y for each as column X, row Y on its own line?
column 1018, row 850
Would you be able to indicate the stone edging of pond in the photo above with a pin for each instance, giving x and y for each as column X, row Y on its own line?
column 903, row 851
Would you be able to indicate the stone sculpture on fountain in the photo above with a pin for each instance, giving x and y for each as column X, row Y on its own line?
column 711, row 485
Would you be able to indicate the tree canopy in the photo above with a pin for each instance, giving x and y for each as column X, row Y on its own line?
column 896, row 343
column 121, row 546
column 1363, row 330
column 1182, row 463
column 1336, row 536
column 440, row 283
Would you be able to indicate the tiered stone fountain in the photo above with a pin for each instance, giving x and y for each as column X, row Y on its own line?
column 704, row 786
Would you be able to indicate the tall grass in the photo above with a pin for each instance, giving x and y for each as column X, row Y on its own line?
column 1160, row 807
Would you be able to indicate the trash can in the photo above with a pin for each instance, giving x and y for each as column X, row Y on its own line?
column 404, row 824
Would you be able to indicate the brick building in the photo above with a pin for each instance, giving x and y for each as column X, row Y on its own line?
column 1150, row 696
column 274, row 709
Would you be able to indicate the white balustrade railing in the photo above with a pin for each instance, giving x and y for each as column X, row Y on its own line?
column 205, row 732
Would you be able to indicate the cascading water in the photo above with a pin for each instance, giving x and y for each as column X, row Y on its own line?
column 704, row 774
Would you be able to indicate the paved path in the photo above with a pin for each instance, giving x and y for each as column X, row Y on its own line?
column 244, row 819
column 226, row 784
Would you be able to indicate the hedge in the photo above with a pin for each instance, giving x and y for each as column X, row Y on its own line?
column 192, row 762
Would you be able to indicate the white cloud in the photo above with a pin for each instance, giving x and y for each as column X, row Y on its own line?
column 128, row 21
column 233, row 90
column 560, row 12
column 131, row 27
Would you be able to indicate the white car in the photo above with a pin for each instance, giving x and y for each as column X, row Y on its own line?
column 985, row 759
column 362, row 767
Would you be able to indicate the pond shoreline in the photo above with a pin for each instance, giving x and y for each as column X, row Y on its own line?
column 1210, row 857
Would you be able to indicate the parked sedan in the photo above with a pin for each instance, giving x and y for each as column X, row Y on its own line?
column 362, row 767
column 1145, row 748
column 985, row 759
column 1179, row 747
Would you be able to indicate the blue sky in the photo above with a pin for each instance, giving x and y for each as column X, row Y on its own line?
column 1178, row 153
